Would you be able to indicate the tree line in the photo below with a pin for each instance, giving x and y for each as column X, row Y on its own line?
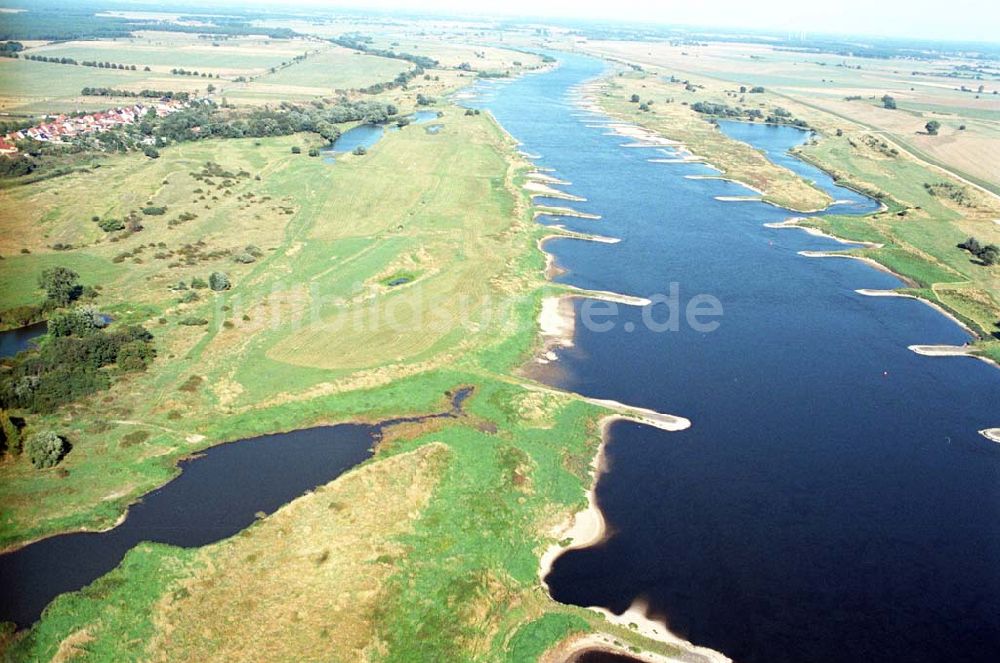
column 148, row 94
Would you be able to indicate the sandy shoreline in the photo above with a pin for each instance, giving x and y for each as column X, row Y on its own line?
column 793, row 223
column 543, row 210
column 992, row 434
column 537, row 188
column 910, row 283
column 588, row 528
column 867, row 292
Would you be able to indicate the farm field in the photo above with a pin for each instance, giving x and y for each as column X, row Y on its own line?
column 800, row 77
column 164, row 51
column 320, row 74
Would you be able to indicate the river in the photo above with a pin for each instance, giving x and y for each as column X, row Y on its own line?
column 832, row 500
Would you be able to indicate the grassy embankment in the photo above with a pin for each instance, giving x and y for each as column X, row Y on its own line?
column 919, row 231
column 428, row 550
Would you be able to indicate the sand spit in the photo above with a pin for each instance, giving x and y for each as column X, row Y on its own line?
column 682, row 159
column 739, row 199
column 540, row 189
column 607, row 296
column 539, row 176
column 992, row 434
column 564, row 211
column 868, row 261
column 644, row 137
column 584, row 237
column 941, row 350
column 654, row 630
column 793, row 222
column 951, row 351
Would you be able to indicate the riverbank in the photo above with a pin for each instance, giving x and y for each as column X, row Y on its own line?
column 676, row 126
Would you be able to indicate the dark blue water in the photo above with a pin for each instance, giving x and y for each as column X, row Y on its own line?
column 366, row 135
column 215, row 496
column 16, row 340
column 218, row 493
column 832, row 500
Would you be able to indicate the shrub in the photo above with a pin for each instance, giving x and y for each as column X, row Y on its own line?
column 10, row 434
column 244, row 258
column 133, row 438
column 360, row 151
column 153, row 210
column 296, row 149
column 193, row 321
column 45, row 449
column 313, row 152
column 198, row 283
column 135, row 356
column 218, row 281
column 111, row 225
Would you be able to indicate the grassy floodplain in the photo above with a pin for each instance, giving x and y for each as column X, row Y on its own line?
column 919, row 230
column 431, row 546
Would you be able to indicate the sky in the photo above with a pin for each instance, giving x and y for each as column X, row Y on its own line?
column 965, row 20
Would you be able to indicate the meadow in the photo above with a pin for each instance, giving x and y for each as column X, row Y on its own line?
column 432, row 545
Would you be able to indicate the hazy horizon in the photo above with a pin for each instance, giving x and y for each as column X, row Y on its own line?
column 962, row 20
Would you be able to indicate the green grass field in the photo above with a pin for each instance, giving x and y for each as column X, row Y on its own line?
column 430, row 547
column 328, row 239
column 336, row 68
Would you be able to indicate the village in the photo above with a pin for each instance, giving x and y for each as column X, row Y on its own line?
column 62, row 127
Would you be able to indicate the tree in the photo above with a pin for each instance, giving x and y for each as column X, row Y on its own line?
column 61, row 285
column 359, row 151
column 634, row 99
column 46, row 449
column 218, row 281
column 932, row 127
column 81, row 321
column 296, row 149
column 151, row 152
column 888, row 102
